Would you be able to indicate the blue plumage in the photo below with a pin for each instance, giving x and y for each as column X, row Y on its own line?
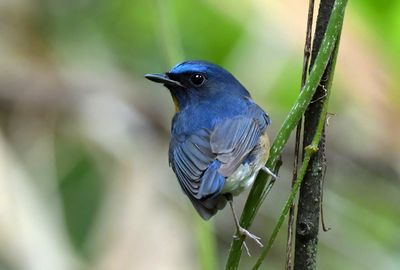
column 218, row 134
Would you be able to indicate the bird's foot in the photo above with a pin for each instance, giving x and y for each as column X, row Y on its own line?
column 248, row 234
column 243, row 232
column 240, row 231
column 268, row 171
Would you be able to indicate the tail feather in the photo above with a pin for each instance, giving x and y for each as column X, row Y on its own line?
column 209, row 207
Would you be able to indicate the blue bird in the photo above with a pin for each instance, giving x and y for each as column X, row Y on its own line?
column 218, row 136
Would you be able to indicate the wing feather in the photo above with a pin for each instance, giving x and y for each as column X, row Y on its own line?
column 232, row 151
column 204, row 160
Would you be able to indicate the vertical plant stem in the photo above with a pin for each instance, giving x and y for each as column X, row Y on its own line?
column 308, row 212
column 310, row 151
column 306, row 60
column 259, row 191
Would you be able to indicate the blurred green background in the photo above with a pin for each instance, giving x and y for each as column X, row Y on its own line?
column 84, row 176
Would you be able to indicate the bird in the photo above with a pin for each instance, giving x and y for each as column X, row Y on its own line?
column 218, row 139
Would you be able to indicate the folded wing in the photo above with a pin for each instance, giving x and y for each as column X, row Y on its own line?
column 202, row 161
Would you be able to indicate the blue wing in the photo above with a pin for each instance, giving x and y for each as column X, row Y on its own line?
column 204, row 160
column 233, row 140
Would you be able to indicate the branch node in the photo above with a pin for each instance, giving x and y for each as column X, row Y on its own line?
column 311, row 149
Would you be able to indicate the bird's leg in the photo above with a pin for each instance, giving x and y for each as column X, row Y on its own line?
column 268, row 171
column 240, row 230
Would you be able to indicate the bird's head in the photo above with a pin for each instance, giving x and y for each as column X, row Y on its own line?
column 195, row 81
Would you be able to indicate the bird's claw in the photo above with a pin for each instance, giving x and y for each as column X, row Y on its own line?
column 243, row 232
column 248, row 234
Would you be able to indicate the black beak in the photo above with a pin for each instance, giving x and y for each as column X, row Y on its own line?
column 163, row 78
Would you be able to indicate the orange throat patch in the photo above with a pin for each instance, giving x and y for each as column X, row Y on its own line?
column 176, row 103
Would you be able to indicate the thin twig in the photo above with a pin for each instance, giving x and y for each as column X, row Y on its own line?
column 324, row 227
column 310, row 150
column 308, row 210
column 306, row 61
column 258, row 192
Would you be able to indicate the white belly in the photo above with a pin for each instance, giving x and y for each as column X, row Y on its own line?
column 244, row 176
column 240, row 180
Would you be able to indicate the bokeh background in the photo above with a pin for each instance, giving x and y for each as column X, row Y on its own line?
column 84, row 176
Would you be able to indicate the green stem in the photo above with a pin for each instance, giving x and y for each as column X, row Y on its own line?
column 310, row 192
column 309, row 151
column 259, row 191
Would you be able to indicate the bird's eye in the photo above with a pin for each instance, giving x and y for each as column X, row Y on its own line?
column 197, row 79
